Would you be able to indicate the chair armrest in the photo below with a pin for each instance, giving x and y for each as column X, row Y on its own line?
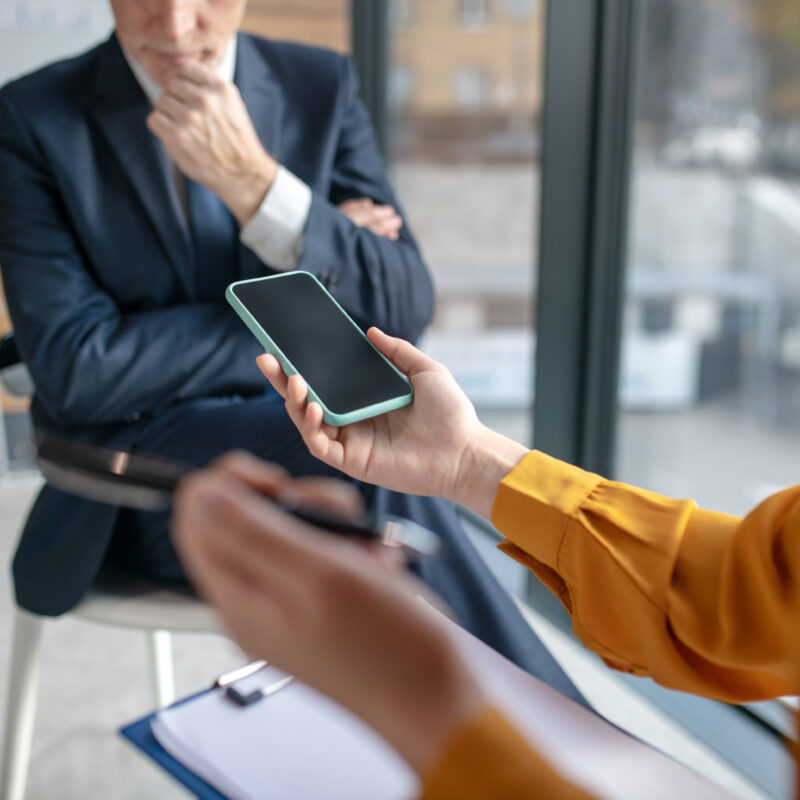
column 15, row 379
column 9, row 355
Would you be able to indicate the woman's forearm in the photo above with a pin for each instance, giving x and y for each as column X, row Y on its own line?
column 486, row 459
column 690, row 581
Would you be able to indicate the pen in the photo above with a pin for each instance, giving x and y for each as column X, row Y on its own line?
column 366, row 527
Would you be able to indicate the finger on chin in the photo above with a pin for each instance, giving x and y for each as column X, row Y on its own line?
column 199, row 74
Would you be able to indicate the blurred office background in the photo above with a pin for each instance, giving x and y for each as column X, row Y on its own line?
column 608, row 195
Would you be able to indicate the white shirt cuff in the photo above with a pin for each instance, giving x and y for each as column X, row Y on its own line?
column 276, row 232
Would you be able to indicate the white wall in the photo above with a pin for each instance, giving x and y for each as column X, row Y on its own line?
column 36, row 32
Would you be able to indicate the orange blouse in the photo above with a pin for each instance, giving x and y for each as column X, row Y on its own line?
column 699, row 601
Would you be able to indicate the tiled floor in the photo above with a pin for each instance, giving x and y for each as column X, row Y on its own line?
column 93, row 680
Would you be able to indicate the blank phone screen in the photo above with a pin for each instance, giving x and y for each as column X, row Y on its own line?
column 324, row 346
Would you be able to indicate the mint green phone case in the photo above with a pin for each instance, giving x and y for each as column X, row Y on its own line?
column 269, row 346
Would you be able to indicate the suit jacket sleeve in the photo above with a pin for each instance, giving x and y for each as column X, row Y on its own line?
column 379, row 281
column 91, row 362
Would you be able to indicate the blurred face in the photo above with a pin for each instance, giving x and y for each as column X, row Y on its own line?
column 164, row 35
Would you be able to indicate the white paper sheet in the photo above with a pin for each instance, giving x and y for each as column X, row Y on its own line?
column 293, row 744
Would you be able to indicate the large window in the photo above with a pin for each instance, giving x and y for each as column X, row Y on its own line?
column 464, row 156
column 697, row 101
column 709, row 392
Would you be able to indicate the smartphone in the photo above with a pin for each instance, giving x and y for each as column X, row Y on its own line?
column 295, row 318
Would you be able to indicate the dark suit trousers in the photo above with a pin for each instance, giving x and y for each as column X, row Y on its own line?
column 199, row 431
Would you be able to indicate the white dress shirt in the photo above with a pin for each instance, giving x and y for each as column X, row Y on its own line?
column 276, row 231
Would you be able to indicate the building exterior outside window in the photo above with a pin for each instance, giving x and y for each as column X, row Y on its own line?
column 709, row 396
column 321, row 22
column 474, row 13
column 464, row 156
column 401, row 86
column 472, row 88
column 400, row 13
column 519, row 9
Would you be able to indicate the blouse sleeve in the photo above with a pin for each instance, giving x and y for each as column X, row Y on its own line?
column 489, row 758
column 697, row 600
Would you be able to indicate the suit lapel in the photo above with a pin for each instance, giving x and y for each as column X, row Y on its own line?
column 264, row 102
column 119, row 110
column 261, row 93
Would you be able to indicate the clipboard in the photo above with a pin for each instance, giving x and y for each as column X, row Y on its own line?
column 140, row 734
column 219, row 743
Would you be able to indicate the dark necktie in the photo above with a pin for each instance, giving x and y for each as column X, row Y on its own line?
column 214, row 234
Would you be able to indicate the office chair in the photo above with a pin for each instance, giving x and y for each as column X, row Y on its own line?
column 116, row 599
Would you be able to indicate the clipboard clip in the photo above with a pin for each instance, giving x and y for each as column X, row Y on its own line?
column 227, row 680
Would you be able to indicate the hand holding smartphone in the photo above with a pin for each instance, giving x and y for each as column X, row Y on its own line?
column 296, row 319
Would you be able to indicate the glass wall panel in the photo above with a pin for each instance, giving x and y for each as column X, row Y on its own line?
column 466, row 82
column 709, row 395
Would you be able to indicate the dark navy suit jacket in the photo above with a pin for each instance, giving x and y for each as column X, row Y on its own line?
column 98, row 267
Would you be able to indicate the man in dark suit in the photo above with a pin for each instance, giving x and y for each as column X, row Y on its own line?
column 136, row 181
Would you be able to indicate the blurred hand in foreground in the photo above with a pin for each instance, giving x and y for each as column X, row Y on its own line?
column 319, row 606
